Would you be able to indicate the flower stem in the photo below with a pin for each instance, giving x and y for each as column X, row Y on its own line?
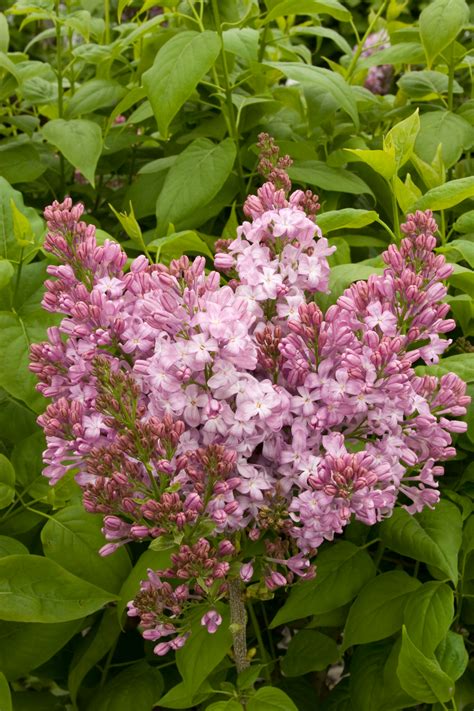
column 238, row 619
column 360, row 45
column 59, row 70
column 261, row 646
column 233, row 129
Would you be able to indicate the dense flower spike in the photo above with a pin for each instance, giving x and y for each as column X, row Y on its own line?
column 207, row 416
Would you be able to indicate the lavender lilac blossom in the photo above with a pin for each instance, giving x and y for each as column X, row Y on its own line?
column 211, row 415
column 379, row 78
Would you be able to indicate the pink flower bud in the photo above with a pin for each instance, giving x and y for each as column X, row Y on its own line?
column 246, row 572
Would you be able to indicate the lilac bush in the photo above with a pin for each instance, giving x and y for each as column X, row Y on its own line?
column 225, row 416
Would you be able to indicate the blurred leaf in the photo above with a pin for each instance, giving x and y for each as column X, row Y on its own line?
column 309, row 651
column 382, row 162
column 401, row 139
column 323, row 80
column 309, row 7
column 178, row 67
column 324, row 177
column 5, row 697
column 27, row 645
column 193, row 180
column 440, row 23
column 426, row 84
column 138, row 688
column 270, row 699
column 80, row 142
column 10, row 546
column 447, row 195
column 453, row 132
column 345, row 218
column 93, row 95
column 93, row 647
column 7, row 482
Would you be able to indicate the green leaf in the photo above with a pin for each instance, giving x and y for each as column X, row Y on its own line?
column 400, row 53
column 401, row 138
column 342, row 570
column 27, row 645
column 9, row 247
column 94, row 94
column 5, row 696
column 452, row 655
column 92, row 649
column 196, row 177
column 21, row 227
column 421, row 676
column 465, row 223
column 407, row 193
column 447, row 195
column 138, row 688
column 309, row 651
column 10, row 546
column 230, row 705
column 270, row 699
column 179, row 698
column 325, row 177
column 20, row 161
column 462, row 365
column 309, row 7
column 36, row 589
column 4, row 33
column 203, row 651
column 377, row 612
column 453, row 132
column 17, row 332
column 73, row 537
column 247, row 678
column 323, row 80
column 174, row 245
column 459, row 250
column 440, row 23
column 345, row 274
column 427, row 84
column 80, row 142
column 6, row 272
column 179, row 66
column 347, row 217
column 7, row 482
column 366, row 677
column 432, row 536
column 428, row 615
column 243, row 42
column 337, row 38
column 382, row 162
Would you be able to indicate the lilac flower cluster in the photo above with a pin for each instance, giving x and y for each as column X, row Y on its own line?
column 221, row 419
column 378, row 79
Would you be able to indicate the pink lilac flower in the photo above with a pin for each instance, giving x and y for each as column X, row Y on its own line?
column 201, row 415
